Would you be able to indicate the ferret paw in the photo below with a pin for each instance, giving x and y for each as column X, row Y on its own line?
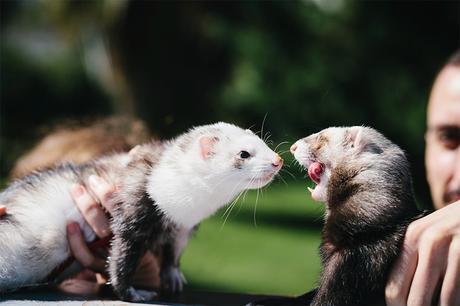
column 172, row 280
column 136, row 295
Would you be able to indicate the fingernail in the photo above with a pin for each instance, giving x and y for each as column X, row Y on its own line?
column 94, row 181
column 73, row 228
column 77, row 190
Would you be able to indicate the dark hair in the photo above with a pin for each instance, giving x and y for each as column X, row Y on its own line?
column 454, row 59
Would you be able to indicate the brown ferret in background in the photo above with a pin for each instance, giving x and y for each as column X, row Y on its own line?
column 79, row 142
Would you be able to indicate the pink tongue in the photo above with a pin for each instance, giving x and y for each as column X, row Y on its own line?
column 314, row 171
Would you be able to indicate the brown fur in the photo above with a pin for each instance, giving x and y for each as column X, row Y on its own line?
column 80, row 143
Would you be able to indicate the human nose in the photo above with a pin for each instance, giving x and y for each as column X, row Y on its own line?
column 293, row 148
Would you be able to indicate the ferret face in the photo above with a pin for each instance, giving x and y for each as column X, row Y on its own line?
column 240, row 157
column 322, row 152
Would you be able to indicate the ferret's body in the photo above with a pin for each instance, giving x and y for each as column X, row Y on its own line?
column 365, row 181
column 165, row 190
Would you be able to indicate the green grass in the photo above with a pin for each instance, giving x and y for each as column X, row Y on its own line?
column 271, row 251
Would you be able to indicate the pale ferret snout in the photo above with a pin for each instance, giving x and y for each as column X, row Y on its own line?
column 278, row 162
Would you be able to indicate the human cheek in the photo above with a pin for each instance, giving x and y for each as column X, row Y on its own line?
column 454, row 181
column 439, row 168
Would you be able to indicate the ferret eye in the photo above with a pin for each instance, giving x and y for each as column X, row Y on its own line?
column 245, row 154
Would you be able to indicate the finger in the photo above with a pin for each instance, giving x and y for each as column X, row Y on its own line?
column 432, row 262
column 400, row 279
column 2, row 210
column 81, row 251
column 450, row 293
column 103, row 190
column 134, row 150
column 86, row 274
column 91, row 211
column 79, row 287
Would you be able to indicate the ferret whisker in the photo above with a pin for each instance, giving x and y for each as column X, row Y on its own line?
column 249, row 128
column 262, row 128
column 289, row 173
column 282, row 179
column 284, row 152
column 229, row 209
column 226, row 177
column 236, row 199
column 242, row 201
column 244, row 195
column 255, row 207
column 281, row 143
column 232, row 205
column 267, row 138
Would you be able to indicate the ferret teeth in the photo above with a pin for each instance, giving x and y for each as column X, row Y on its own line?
column 310, row 189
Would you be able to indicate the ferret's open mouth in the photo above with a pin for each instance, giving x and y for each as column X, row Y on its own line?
column 315, row 170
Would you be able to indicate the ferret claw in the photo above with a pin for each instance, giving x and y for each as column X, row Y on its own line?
column 141, row 295
column 173, row 280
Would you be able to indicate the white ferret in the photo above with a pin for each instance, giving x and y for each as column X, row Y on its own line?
column 165, row 190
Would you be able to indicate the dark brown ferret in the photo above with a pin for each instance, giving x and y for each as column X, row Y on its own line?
column 364, row 180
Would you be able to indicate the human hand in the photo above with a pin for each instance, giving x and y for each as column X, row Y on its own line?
column 429, row 265
column 94, row 259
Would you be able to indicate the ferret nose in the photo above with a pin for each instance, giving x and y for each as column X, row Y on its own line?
column 293, row 148
column 278, row 161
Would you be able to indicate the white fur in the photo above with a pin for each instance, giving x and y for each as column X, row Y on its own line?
column 41, row 215
column 189, row 188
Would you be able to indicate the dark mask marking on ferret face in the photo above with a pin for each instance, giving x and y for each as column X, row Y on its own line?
column 317, row 145
column 238, row 164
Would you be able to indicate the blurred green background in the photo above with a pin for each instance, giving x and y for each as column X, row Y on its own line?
column 305, row 65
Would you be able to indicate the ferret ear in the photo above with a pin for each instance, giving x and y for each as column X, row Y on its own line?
column 207, row 144
column 359, row 143
column 354, row 137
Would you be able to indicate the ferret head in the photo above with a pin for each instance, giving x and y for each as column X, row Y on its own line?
column 350, row 150
column 207, row 167
column 225, row 151
column 225, row 155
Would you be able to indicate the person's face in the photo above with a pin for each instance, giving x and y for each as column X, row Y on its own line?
column 442, row 155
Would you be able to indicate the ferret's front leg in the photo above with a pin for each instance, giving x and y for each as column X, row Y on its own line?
column 135, row 226
column 124, row 258
column 172, row 279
